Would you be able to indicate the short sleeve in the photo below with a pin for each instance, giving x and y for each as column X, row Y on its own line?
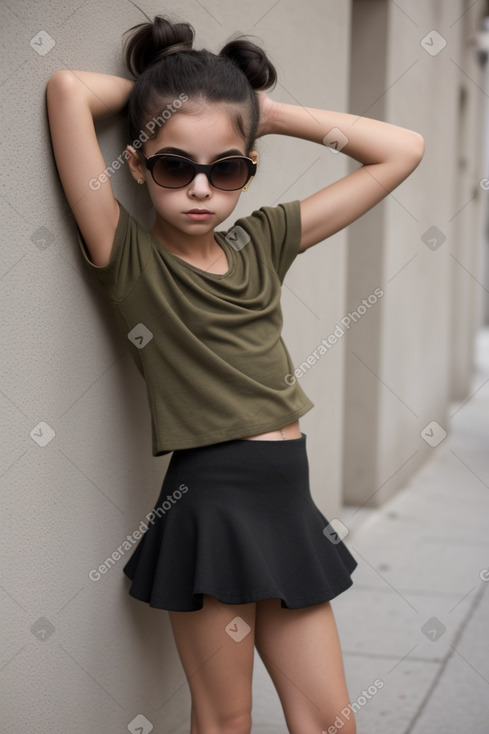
column 130, row 252
column 277, row 229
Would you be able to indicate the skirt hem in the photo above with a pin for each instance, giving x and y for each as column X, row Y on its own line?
column 286, row 603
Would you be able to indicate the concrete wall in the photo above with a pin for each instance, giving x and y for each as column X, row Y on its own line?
column 470, row 285
column 411, row 354
column 81, row 655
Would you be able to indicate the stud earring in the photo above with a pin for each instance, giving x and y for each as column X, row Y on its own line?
column 140, row 180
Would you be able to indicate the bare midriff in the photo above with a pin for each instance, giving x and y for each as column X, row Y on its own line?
column 287, row 432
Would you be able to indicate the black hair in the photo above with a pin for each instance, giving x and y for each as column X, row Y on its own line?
column 167, row 69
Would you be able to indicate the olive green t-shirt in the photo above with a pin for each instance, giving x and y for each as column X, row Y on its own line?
column 208, row 346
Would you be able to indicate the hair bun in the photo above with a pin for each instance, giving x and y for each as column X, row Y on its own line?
column 151, row 42
column 252, row 61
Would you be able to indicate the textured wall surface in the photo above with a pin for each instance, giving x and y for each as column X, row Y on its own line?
column 412, row 353
column 77, row 474
column 76, row 469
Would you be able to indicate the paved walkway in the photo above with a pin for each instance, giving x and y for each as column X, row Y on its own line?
column 417, row 616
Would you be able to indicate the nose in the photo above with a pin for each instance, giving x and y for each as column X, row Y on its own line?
column 200, row 186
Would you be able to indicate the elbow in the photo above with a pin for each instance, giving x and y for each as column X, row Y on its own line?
column 61, row 85
column 417, row 149
column 409, row 155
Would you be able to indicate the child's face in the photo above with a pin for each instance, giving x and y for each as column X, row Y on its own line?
column 204, row 135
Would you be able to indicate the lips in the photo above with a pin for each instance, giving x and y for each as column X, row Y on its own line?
column 199, row 215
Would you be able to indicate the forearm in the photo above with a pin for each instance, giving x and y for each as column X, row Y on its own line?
column 364, row 139
column 104, row 95
column 75, row 100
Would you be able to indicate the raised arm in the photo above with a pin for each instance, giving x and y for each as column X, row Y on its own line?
column 75, row 99
column 388, row 153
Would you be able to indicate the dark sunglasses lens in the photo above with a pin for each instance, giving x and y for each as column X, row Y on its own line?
column 230, row 174
column 172, row 173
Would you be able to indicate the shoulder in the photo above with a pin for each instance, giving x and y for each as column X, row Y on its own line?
column 129, row 255
column 274, row 230
column 275, row 220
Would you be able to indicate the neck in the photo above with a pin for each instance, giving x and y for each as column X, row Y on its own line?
column 181, row 243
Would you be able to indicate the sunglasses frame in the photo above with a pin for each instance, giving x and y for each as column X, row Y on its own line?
column 151, row 161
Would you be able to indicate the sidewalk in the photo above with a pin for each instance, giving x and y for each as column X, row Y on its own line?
column 417, row 614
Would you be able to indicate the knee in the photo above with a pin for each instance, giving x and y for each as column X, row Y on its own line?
column 338, row 725
column 237, row 723
column 341, row 726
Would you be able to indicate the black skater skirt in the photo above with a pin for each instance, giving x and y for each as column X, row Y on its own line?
column 236, row 520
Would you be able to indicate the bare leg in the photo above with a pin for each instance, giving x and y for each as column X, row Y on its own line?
column 218, row 667
column 301, row 651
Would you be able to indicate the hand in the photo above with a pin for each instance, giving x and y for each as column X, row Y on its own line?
column 268, row 109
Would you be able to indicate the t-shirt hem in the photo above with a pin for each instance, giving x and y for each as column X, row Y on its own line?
column 206, row 439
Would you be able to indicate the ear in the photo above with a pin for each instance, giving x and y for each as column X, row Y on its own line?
column 136, row 166
column 254, row 156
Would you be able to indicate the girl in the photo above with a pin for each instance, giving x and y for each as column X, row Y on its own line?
column 234, row 548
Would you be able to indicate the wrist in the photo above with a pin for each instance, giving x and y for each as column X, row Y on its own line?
column 274, row 117
column 300, row 122
column 269, row 110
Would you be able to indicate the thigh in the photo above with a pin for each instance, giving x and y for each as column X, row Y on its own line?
column 301, row 651
column 216, row 647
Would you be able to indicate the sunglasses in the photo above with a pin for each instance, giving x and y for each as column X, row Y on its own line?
column 175, row 171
